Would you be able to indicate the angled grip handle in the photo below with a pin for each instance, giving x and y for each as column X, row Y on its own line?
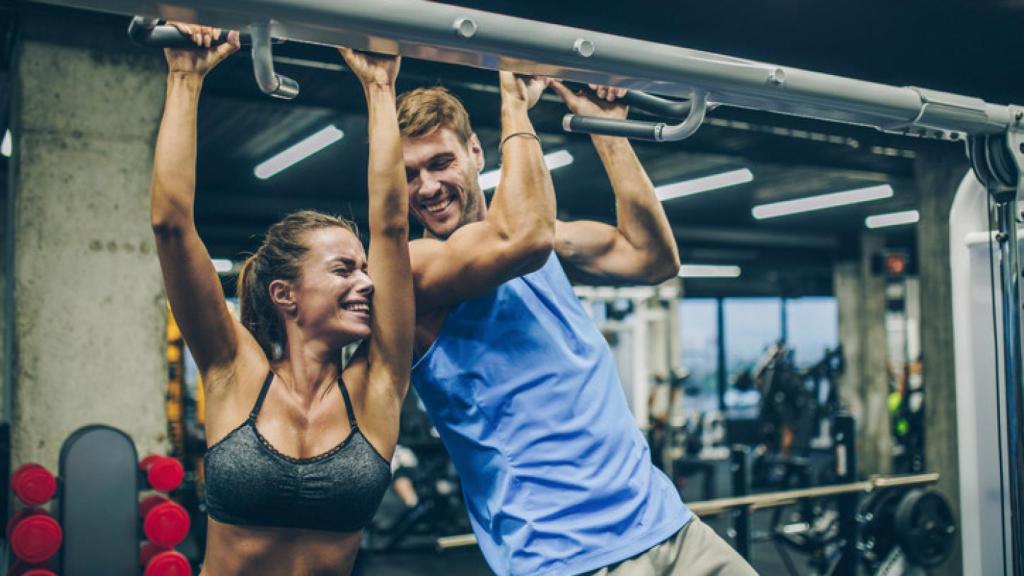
column 154, row 33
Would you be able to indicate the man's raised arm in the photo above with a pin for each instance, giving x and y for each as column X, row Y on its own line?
column 640, row 248
column 517, row 234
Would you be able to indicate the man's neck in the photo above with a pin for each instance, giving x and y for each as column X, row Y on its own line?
column 428, row 235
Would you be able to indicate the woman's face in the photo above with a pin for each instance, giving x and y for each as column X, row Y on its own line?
column 332, row 296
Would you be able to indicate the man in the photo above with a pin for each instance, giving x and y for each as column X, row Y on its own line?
column 518, row 381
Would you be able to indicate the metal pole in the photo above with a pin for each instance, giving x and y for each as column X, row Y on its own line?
column 723, row 377
column 783, row 321
column 1009, row 267
column 846, row 471
column 741, row 487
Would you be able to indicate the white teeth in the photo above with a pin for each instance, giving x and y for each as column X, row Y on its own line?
column 358, row 307
column 438, row 206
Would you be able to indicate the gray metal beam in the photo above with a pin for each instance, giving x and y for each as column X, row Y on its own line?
column 458, row 35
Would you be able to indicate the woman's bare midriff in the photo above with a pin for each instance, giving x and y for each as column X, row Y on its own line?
column 237, row 550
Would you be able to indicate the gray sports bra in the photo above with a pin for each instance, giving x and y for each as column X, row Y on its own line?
column 250, row 483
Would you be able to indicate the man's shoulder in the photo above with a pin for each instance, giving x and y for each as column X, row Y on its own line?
column 420, row 244
column 421, row 250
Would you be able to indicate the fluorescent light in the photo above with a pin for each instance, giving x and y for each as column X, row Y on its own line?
column 822, row 201
column 558, row 159
column 298, row 152
column 892, row 219
column 222, row 264
column 489, row 179
column 703, row 184
column 554, row 160
column 6, row 146
column 708, row 271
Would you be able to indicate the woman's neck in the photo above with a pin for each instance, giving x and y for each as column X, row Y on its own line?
column 309, row 374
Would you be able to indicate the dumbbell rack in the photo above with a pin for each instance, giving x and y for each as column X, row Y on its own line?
column 33, row 534
column 97, row 507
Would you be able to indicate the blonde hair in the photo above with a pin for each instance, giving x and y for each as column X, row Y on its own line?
column 279, row 257
column 424, row 110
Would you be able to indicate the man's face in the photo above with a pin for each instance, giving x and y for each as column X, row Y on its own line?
column 441, row 173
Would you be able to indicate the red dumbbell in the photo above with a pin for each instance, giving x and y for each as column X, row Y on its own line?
column 162, row 473
column 33, row 484
column 20, row 568
column 34, row 535
column 165, row 523
column 168, row 563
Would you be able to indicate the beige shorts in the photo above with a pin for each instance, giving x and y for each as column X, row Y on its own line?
column 696, row 550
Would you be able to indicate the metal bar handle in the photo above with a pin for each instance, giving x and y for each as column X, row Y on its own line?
column 270, row 82
column 657, row 106
column 154, row 33
column 657, row 132
column 647, row 102
column 633, row 129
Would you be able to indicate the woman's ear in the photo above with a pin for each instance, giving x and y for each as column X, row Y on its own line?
column 282, row 296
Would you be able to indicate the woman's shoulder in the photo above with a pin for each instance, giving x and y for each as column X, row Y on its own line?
column 247, row 370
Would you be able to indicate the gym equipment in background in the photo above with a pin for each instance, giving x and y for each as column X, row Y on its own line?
column 162, row 474
column 33, row 484
column 99, row 505
column 34, row 535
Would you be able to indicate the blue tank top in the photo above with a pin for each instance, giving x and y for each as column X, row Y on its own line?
column 524, row 393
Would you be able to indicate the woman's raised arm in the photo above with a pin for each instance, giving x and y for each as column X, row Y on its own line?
column 393, row 310
column 192, row 285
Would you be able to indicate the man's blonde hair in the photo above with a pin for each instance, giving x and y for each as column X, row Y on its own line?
column 423, row 110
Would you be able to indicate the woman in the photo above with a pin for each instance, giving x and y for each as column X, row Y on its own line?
column 299, row 448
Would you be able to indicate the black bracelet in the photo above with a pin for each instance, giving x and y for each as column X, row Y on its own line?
column 513, row 135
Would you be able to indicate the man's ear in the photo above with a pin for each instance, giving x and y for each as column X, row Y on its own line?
column 282, row 296
column 477, row 151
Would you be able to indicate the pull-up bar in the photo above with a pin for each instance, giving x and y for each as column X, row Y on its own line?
column 443, row 33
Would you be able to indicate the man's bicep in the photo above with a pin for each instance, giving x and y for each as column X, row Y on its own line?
column 594, row 252
column 583, row 246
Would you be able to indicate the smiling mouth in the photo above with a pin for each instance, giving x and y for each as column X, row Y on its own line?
column 359, row 307
column 439, row 207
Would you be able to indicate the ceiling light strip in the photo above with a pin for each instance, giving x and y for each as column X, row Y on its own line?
column 821, row 202
column 553, row 161
column 892, row 219
column 709, row 271
column 703, row 184
column 298, row 152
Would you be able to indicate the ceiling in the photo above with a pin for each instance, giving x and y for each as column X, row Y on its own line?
column 970, row 48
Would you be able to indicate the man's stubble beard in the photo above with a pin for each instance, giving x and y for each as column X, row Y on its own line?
column 471, row 204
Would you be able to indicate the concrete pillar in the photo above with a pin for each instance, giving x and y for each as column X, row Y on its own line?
column 875, row 441
column 88, row 302
column 938, row 171
column 849, row 290
column 860, row 295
